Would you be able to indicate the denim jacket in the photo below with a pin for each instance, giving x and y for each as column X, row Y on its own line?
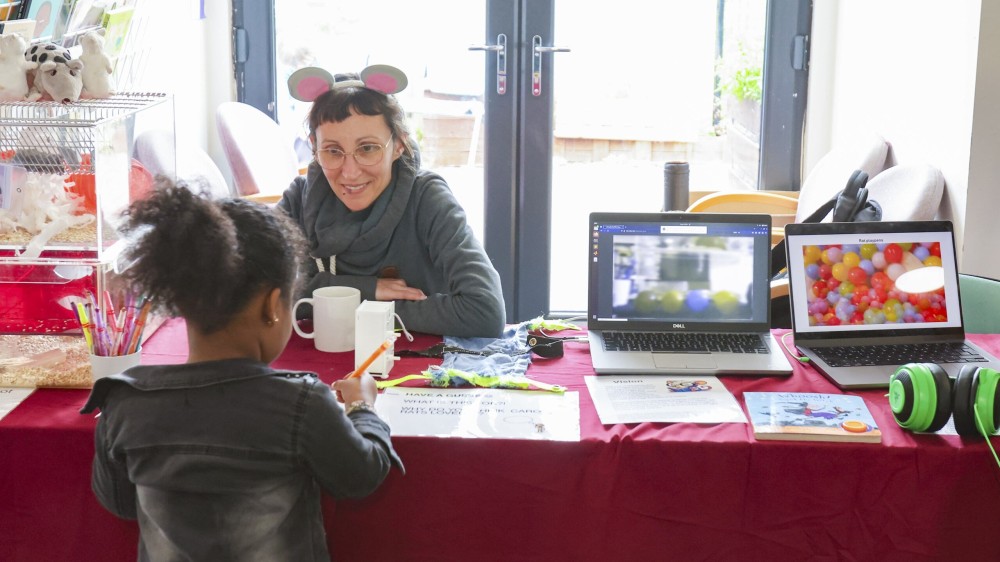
column 224, row 460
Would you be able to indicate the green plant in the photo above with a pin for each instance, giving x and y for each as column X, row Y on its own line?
column 745, row 84
column 745, row 81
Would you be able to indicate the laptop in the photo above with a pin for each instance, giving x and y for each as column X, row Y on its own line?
column 867, row 297
column 681, row 294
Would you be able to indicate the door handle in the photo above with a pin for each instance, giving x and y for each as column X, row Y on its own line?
column 536, row 62
column 501, row 50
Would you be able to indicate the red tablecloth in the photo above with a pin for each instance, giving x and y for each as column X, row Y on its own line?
column 648, row 491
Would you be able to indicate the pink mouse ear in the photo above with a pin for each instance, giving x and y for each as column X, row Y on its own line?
column 384, row 78
column 307, row 84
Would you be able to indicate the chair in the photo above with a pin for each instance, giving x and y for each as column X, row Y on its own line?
column 259, row 152
column 867, row 153
column 780, row 205
column 159, row 154
column 908, row 192
column 980, row 303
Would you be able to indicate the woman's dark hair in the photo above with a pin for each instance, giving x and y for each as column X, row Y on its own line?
column 205, row 259
column 337, row 104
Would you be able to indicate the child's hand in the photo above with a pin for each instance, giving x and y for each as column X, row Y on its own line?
column 357, row 388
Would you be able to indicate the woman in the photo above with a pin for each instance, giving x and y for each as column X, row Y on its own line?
column 375, row 222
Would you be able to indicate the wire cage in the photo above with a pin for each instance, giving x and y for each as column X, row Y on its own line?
column 53, row 127
column 67, row 171
column 88, row 146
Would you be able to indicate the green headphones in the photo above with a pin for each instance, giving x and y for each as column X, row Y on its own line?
column 922, row 398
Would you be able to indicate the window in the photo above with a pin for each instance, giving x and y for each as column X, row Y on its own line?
column 721, row 85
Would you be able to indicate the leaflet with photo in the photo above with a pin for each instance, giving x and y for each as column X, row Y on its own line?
column 659, row 398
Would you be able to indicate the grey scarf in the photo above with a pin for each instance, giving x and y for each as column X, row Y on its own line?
column 360, row 238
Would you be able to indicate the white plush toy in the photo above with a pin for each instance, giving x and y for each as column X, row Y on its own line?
column 58, row 74
column 97, row 67
column 14, row 68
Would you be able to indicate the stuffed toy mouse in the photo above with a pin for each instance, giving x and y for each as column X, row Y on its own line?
column 14, row 68
column 97, row 67
column 58, row 75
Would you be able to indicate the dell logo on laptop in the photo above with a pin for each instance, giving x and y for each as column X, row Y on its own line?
column 681, row 326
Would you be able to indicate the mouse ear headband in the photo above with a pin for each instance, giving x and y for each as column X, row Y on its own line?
column 307, row 84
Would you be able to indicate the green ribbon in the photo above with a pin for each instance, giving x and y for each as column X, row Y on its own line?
column 443, row 378
column 553, row 325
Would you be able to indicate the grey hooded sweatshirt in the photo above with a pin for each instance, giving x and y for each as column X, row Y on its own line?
column 417, row 231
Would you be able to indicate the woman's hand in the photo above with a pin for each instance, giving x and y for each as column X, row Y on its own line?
column 397, row 289
column 356, row 388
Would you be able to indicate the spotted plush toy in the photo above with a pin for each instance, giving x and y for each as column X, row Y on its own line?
column 59, row 76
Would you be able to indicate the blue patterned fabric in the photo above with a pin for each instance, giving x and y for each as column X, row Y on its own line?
column 509, row 357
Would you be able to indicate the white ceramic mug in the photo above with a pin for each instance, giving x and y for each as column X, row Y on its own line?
column 333, row 317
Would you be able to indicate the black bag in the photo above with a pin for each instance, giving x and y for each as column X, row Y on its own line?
column 850, row 205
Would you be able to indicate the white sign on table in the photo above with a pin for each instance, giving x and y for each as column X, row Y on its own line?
column 663, row 398
column 11, row 397
column 481, row 412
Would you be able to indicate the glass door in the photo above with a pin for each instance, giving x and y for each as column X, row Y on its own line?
column 681, row 83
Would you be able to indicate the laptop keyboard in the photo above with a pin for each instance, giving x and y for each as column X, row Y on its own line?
column 898, row 354
column 684, row 342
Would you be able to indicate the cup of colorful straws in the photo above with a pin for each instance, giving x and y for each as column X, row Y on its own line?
column 114, row 337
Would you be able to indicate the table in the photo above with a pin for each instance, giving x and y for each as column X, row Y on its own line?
column 648, row 491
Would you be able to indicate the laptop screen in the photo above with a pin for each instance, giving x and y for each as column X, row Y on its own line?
column 879, row 277
column 679, row 271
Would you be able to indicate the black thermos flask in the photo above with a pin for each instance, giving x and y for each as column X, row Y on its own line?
column 675, row 186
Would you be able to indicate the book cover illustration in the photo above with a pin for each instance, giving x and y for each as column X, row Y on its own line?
column 82, row 16
column 808, row 416
column 46, row 14
column 116, row 26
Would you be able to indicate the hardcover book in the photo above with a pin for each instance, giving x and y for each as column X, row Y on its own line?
column 807, row 416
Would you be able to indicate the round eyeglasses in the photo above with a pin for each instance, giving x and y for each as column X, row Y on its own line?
column 367, row 154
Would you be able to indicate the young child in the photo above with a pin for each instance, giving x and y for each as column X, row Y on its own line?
column 223, row 458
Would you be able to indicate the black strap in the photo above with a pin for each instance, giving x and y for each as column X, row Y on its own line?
column 848, row 205
column 543, row 346
column 438, row 351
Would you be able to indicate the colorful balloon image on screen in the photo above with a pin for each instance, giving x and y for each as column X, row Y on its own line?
column 857, row 284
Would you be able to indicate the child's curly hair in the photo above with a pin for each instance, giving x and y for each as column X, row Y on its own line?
column 205, row 259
